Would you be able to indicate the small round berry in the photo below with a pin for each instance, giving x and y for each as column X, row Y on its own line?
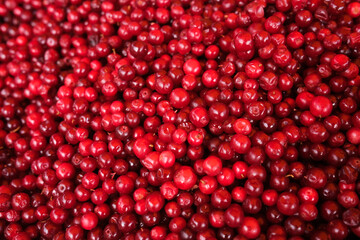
column 185, row 178
column 192, row 66
column 167, row 159
column 321, row 106
column 212, row 166
column 89, row 221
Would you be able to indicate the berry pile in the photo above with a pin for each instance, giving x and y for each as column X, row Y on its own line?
column 179, row 119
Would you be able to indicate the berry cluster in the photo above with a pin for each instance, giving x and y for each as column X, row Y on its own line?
column 179, row 119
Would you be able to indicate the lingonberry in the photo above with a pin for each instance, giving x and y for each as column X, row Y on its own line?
column 89, row 221
column 20, row 201
column 250, row 228
column 167, row 159
column 288, row 203
column 226, row 177
column 192, row 66
column 207, row 184
column 154, row 202
column 124, row 184
column 221, row 198
column 102, row 121
column 212, row 166
column 234, row 216
column 269, row 197
column 185, row 178
column 210, row 78
column 141, row 147
column 308, row 195
column 337, row 229
column 321, row 106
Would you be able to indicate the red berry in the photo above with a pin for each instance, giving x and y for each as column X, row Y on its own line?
column 185, row 178
column 321, row 106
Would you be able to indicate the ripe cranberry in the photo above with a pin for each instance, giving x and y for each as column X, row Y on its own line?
column 124, row 184
column 199, row 117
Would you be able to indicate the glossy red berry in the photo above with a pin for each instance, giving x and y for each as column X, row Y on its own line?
column 321, row 106
column 89, row 221
column 212, row 166
column 192, row 66
column 185, row 178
